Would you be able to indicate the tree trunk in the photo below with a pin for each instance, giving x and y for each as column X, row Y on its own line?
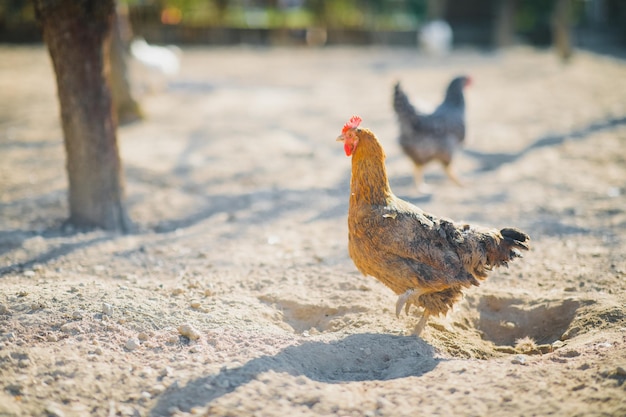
column 126, row 107
column 561, row 29
column 436, row 9
column 77, row 35
column 505, row 23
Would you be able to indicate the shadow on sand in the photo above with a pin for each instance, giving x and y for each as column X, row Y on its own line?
column 283, row 201
column 360, row 357
column 493, row 161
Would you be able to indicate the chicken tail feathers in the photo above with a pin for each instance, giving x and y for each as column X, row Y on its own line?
column 516, row 240
column 512, row 241
column 485, row 250
column 401, row 104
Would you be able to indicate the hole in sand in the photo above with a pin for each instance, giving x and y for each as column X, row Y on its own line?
column 313, row 318
column 504, row 320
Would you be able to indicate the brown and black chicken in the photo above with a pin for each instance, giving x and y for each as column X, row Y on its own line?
column 427, row 261
column 435, row 136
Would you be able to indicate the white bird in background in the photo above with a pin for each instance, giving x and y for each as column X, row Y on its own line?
column 164, row 59
column 435, row 38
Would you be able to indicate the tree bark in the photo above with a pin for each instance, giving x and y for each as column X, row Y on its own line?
column 561, row 29
column 77, row 35
column 127, row 109
column 504, row 34
column 436, row 9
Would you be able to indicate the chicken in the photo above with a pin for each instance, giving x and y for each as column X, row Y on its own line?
column 163, row 59
column 436, row 136
column 435, row 38
column 427, row 261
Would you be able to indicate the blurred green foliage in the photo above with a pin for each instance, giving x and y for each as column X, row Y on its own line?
column 534, row 13
column 530, row 15
column 370, row 14
column 16, row 11
column 375, row 14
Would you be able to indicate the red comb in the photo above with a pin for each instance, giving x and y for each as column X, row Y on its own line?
column 354, row 122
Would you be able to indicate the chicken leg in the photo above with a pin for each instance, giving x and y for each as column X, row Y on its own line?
column 408, row 299
column 421, row 324
column 451, row 174
column 418, row 174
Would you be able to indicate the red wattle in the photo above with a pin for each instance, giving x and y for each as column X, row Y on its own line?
column 347, row 148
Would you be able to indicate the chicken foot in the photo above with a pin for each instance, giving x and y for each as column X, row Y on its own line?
column 406, row 300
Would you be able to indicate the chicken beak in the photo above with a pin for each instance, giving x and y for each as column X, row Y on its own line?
column 340, row 138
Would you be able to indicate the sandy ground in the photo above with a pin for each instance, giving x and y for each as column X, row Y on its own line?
column 236, row 295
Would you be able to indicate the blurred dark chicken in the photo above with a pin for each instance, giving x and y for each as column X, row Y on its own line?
column 427, row 261
column 436, row 136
